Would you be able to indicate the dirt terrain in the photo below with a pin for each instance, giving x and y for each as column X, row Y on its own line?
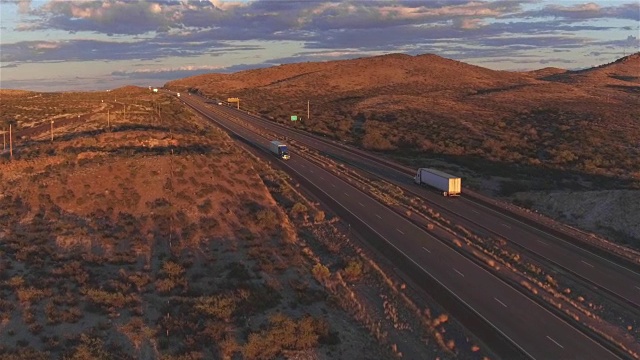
column 613, row 213
column 504, row 132
column 159, row 237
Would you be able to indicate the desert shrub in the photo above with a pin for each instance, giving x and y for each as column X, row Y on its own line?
column 374, row 140
column 90, row 348
column 284, row 333
column 319, row 216
column 267, row 219
column 321, row 272
column 26, row 353
column 172, row 269
column 30, row 294
column 354, row 270
column 107, row 299
column 219, row 306
column 298, row 208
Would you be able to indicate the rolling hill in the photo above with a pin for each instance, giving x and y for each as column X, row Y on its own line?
column 426, row 105
column 505, row 133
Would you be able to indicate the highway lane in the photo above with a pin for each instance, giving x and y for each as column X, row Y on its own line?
column 535, row 330
column 616, row 279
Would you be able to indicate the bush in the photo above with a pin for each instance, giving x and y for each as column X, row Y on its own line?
column 354, row 270
column 267, row 219
column 221, row 307
column 321, row 272
column 298, row 208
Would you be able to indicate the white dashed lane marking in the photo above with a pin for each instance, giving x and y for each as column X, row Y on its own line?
column 501, row 303
column 555, row 342
column 586, row 263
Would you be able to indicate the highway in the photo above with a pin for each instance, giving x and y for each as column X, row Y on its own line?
column 615, row 279
column 535, row 331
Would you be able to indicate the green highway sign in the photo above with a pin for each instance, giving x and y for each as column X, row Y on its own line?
column 294, row 118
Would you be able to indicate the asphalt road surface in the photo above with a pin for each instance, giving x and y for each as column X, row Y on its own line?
column 615, row 279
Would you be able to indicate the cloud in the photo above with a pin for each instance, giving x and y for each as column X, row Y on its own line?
column 629, row 11
column 167, row 73
column 157, row 30
column 92, row 50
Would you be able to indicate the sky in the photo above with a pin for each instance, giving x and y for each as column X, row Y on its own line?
column 62, row 45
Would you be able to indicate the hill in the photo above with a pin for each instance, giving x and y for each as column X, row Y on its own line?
column 624, row 72
column 435, row 106
column 504, row 132
column 141, row 231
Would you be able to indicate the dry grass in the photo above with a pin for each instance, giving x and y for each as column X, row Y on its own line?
column 157, row 238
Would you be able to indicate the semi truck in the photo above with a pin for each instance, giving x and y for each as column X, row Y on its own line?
column 449, row 185
column 279, row 149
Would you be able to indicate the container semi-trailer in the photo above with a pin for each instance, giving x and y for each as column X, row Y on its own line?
column 279, row 149
column 449, row 185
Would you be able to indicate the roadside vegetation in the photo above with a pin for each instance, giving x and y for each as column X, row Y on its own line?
column 142, row 231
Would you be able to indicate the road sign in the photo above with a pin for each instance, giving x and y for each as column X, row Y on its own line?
column 233, row 100
column 294, row 118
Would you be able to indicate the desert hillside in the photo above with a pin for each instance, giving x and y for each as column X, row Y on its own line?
column 503, row 132
column 143, row 232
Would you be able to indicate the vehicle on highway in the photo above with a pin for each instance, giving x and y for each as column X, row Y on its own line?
column 178, row 94
column 279, row 149
column 449, row 185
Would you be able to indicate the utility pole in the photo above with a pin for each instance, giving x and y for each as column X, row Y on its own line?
column 4, row 139
column 308, row 102
column 124, row 111
column 10, row 143
column 238, row 103
column 108, row 120
column 51, row 130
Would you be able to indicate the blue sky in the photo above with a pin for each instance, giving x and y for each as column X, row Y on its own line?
column 96, row 45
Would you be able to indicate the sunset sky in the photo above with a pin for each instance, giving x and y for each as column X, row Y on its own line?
column 98, row 45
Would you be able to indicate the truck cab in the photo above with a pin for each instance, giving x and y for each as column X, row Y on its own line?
column 279, row 149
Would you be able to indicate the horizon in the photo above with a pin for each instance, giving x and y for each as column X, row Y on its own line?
column 148, row 43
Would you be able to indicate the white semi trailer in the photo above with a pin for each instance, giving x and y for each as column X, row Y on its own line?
column 279, row 149
column 449, row 185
